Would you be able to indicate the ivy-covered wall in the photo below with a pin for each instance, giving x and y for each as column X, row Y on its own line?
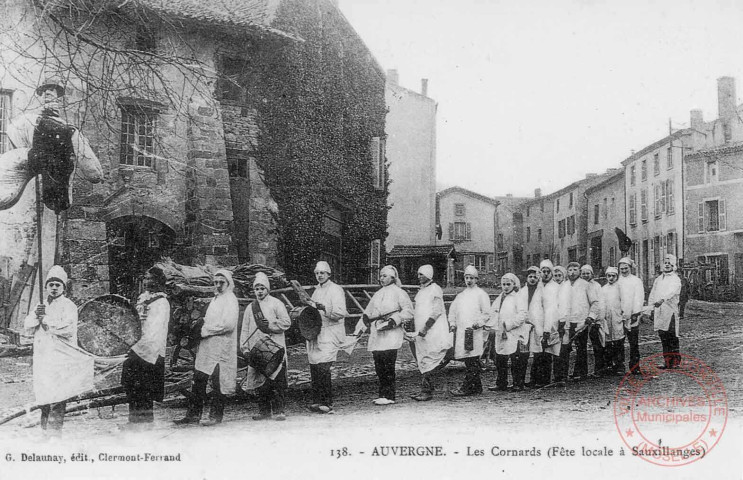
column 318, row 103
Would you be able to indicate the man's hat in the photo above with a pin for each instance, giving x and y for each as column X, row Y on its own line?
column 51, row 82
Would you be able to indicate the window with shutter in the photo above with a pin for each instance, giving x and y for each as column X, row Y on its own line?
column 644, row 205
column 723, row 216
column 633, row 209
column 663, row 194
column 469, row 232
column 700, row 217
column 5, row 100
column 670, row 208
column 656, row 195
column 451, row 231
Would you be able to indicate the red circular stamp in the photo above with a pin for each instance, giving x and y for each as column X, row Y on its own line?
column 671, row 417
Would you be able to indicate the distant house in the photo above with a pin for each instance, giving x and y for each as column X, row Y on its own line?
column 468, row 221
column 411, row 152
column 509, row 235
column 605, row 203
column 538, row 228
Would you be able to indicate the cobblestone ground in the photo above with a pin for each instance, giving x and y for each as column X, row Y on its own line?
column 711, row 332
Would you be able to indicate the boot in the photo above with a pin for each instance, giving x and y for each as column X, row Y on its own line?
column 193, row 415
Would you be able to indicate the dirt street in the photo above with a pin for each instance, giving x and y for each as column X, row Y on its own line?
column 711, row 332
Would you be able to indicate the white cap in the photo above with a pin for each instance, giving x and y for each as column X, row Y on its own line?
column 587, row 268
column 471, row 270
column 627, row 261
column 57, row 273
column 322, row 266
column 546, row 263
column 612, row 270
column 426, row 271
column 262, row 279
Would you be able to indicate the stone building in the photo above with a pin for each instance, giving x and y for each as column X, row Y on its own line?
column 605, row 202
column 714, row 194
column 538, row 230
column 662, row 189
column 468, row 221
column 194, row 164
column 509, row 235
column 570, row 221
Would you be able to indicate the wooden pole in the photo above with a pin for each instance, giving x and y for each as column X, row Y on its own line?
column 39, row 215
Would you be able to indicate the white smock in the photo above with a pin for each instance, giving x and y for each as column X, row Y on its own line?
column 219, row 345
column 666, row 287
column 387, row 299
column 431, row 349
column 274, row 311
column 154, row 313
column 332, row 337
column 471, row 306
column 551, row 305
column 578, row 301
column 508, row 314
column 610, row 312
column 534, row 317
column 632, row 294
column 60, row 369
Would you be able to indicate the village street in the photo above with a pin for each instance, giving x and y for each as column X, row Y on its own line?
column 712, row 332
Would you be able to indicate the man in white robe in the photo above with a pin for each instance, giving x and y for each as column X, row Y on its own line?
column 663, row 302
column 271, row 321
column 551, row 340
column 387, row 312
column 596, row 332
column 469, row 312
column 578, row 308
column 330, row 301
column 508, row 318
column 143, row 372
column 60, row 370
column 216, row 358
column 433, row 338
column 632, row 296
column 613, row 322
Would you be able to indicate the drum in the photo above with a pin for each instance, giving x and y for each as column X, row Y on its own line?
column 108, row 326
column 309, row 321
column 266, row 356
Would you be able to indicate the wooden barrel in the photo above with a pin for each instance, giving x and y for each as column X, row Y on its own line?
column 108, row 326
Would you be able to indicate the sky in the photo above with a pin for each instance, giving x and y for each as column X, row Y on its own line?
column 535, row 94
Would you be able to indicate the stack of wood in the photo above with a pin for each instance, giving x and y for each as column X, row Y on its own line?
column 197, row 280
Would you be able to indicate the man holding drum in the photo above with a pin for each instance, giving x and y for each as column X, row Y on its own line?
column 468, row 313
column 330, row 301
column 386, row 312
column 266, row 317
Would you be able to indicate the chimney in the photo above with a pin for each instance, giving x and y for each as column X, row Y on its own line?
column 393, row 77
column 537, row 192
column 509, row 195
column 424, row 87
column 591, row 175
column 697, row 119
column 726, row 104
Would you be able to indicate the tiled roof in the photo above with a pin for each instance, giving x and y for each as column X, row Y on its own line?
column 469, row 193
column 421, row 250
column 250, row 14
column 656, row 145
column 727, row 149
